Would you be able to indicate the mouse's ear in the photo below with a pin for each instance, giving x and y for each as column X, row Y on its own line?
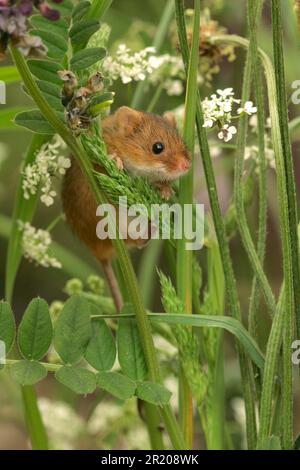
column 128, row 118
column 170, row 118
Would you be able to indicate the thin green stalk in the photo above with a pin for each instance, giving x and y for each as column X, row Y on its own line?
column 253, row 21
column 98, row 9
column 262, row 217
column 292, row 226
column 270, row 372
column 284, row 217
column 155, row 98
column 217, row 431
column 154, row 427
column 184, row 271
column 125, row 263
column 147, row 266
column 216, row 293
column 221, row 236
column 38, row 436
column 161, row 33
column 239, row 166
column 23, row 210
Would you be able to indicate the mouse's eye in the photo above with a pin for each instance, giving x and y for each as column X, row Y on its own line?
column 157, row 148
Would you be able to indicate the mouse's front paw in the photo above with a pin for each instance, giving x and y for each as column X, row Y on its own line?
column 165, row 190
column 118, row 161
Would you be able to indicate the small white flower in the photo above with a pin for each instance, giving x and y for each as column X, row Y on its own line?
column 48, row 199
column 208, row 123
column 226, row 93
column 128, row 66
column 227, row 132
column 36, row 244
column 39, row 174
column 174, row 87
column 248, row 108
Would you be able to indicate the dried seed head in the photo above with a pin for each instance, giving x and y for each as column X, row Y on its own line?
column 95, row 82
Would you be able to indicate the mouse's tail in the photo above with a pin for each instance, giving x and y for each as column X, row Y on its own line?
column 113, row 284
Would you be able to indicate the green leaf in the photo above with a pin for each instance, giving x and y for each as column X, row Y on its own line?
column 45, row 70
column 7, row 325
column 52, row 93
column 80, row 10
column 215, row 321
column 153, row 393
column 9, row 74
column 87, row 57
column 130, row 350
column 73, row 329
column 65, row 8
column 59, row 27
column 297, row 443
column 35, row 330
column 101, row 350
column 116, row 384
column 81, row 32
column 56, row 45
column 7, row 116
column 98, row 103
column 79, row 380
column 270, row 443
column 28, row 372
column 34, row 121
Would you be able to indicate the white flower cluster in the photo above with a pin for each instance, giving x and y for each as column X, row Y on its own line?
column 129, row 66
column 218, row 110
column 48, row 163
column 168, row 71
column 36, row 244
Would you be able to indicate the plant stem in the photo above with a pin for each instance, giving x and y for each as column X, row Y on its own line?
column 147, row 266
column 270, row 372
column 284, row 224
column 125, row 263
column 292, row 225
column 184, row 269
column 262, row 218
column 155, row 98
column 221, row 236
column 23, row 210
column 154, row 424
column 239, row 168
column 161, row 32
column 98, row 9
column 38, row 436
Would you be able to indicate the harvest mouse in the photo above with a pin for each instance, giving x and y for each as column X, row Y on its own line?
column 143, row 144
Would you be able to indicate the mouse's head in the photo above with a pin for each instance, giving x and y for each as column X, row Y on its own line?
column 150, row 145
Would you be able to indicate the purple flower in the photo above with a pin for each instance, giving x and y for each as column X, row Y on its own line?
column 49, row 13
column 26, row 7
column 14, row 25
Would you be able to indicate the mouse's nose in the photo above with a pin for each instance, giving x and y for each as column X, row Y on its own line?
column 184, row 164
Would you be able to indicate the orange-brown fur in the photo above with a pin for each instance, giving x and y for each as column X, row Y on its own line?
column 129, row 136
